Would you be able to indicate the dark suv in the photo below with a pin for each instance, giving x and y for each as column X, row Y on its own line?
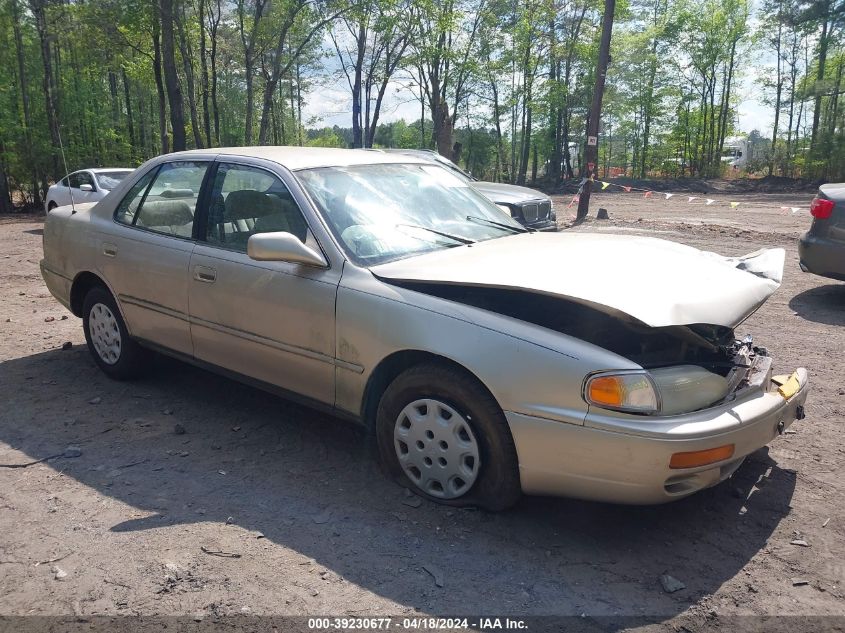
column 822, row 249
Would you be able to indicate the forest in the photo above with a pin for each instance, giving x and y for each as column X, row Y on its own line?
column 503, row 87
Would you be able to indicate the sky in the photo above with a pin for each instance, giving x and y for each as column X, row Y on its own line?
column 329, row 101
column 330, row 105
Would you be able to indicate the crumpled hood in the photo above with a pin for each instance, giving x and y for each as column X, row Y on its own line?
column 657, row 282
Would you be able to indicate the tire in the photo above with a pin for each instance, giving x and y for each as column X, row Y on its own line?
column 114, row 351
column 51, row 206
column 434, row 395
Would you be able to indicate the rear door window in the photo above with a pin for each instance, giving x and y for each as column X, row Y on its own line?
column 165, row 200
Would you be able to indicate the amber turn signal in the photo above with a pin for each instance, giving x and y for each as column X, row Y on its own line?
column 629, row 391
column 607, row 390
column 692, row 459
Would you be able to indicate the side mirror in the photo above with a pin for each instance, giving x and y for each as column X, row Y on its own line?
column 86, row 187
column 283, row 247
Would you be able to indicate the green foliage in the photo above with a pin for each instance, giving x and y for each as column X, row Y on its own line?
column 505, row 84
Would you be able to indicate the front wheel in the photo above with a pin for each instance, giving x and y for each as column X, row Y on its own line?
column 114, row 351
column 443, row 435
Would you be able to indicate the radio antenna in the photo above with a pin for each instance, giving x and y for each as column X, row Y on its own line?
column 64, row 160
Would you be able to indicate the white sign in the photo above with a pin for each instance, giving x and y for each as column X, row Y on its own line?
column 592, row 140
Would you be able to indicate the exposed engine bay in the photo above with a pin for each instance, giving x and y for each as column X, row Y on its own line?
column 711, row 347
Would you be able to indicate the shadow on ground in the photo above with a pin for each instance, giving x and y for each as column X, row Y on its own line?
column 822, row 304
column 307, row 482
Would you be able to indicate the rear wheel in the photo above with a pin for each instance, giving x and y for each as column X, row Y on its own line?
column 114, row 351
column 51, row 206
column 443, row 435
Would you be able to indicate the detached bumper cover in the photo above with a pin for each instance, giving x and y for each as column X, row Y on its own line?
column 630, row 465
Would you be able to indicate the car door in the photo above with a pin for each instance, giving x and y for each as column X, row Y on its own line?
column 61, row 192
column 272, row 321
column 146, row 256
column 80, row 195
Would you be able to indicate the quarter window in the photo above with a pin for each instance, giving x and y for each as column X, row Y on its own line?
column 165, row 200
column 248, row 200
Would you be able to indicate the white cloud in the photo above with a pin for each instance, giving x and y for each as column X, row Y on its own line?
column 330, row 103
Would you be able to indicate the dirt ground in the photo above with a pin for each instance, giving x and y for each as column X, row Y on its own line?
column 263, row 507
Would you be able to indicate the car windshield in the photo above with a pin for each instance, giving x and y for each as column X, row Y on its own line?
column 381, row 213
column 450, row 165
column 108, row 179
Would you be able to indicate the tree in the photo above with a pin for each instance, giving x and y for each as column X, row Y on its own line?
column 370, row 42
column 444, row 45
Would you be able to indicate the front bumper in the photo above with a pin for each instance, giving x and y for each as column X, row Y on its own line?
column 544, row 225
column 821, row 256
column 631, row 464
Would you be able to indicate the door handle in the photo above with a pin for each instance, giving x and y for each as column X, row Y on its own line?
column 109, row 250
column 205, row 274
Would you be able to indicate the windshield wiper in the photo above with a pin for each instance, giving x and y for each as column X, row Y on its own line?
column 500, row 225
column 457, row 238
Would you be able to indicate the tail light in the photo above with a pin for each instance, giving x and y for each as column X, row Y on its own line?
column 821, row 208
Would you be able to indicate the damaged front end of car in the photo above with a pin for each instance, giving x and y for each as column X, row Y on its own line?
column 670, row 399
column 684, row 368
column 669, row 308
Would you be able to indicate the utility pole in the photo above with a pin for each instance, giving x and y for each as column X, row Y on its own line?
column 591, row 152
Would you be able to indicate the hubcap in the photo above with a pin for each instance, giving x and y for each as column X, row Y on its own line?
column 436, row 448
column 105, row 333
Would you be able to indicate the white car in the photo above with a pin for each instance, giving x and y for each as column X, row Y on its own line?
column 86, row 185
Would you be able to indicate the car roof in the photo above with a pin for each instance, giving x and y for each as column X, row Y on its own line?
column 304, row 157
column 98, row 170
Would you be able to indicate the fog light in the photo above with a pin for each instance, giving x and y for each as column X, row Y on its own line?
column 692, row 459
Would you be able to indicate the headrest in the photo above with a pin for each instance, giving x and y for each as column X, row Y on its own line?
column 177, row 193
column 248, row 204
column 165, row 213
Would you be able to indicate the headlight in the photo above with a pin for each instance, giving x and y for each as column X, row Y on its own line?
column 505, row 209
column 629, row 391
column 687, row 388
column 667, row 391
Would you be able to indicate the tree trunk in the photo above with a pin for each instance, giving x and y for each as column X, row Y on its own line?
column 357, row 132
column 38, row 10
column 444, row 128
column 113, row 100
column 778, row 92
column 822, row 61
column 171, row 77
column 215, row 22
column 497, row 120
column 130, row 128
column 142, row 128
column 649, row 98
column 164, row 140
column 24, row 87
column 591, row 154
column 5, row 193
column 526, row 140
column 206, row 115
column 188, row 65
